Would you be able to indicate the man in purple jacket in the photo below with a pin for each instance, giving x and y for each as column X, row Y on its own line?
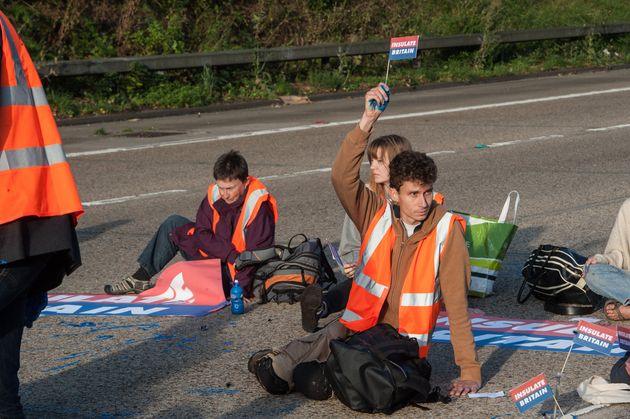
column 237, row 214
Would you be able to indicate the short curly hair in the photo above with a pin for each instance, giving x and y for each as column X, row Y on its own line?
column 231, row 165
column 411, row 166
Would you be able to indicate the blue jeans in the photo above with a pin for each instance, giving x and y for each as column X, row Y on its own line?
column 16, row 280
column 609, row 281
column 161, row 250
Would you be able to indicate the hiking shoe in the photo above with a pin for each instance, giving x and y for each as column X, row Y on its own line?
column 310, row 303
column 310, row 380
column 253, row 360
column 267, row 377
column 128, row 285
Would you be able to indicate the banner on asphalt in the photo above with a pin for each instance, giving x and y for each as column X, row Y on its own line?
column 191, row 288
column 534, row 335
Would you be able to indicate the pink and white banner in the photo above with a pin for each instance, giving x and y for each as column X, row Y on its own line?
column 191, row 288
column 536, row 335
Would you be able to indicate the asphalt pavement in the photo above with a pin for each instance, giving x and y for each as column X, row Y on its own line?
column 562, row 142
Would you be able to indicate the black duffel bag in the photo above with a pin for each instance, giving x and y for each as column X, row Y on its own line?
column 554, row 274
column 379, row 370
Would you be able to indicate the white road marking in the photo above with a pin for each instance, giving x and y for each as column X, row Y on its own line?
column 340, row 123
column 130, row 198
column 528, row 140
column 271, row 177
column 609, row 128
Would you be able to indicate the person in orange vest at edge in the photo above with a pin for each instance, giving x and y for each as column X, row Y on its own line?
column 237, row 214
column 39, row 208
column 412, row 257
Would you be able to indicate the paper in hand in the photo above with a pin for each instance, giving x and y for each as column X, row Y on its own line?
column 335, row 255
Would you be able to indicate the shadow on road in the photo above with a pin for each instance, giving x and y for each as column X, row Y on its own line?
column 91, row 233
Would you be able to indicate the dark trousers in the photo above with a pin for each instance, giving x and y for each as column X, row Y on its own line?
column 161, row 250
column 337, row 297
column 618, row 374
column 16, row 280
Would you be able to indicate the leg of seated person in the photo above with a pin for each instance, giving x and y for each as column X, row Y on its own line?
column 619, row 372
column 315, row 306
column 312, row 347
column 609, row 281
column 336, row 298
column 161, row 250
column 158, row 252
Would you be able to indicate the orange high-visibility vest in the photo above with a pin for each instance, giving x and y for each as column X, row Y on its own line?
column 257, row 193
column 35, row 178
column 420, row 298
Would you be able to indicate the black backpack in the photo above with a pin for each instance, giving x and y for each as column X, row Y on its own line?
column 379, row 370
column 284, row 271
column 554, row 274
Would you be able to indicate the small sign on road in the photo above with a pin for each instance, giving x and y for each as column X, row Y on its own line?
column 623, row 333
column 531, row 393
column 599, row 338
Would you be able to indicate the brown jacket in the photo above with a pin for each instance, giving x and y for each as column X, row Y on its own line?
column 361, row 205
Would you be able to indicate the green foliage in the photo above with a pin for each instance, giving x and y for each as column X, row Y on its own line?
column 80, row 29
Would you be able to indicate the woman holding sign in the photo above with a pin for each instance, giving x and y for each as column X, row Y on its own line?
column 314, row 304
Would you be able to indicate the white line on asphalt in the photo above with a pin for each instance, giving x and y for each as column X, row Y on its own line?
column 271, row 177
column 609, row 128
column 528, row 140
column 130, row 198
column 340, row 123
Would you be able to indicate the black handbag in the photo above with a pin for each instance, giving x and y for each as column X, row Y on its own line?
column 554, row 274
column 378, row 370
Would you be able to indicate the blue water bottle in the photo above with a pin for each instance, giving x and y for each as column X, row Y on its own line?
column 236, row 298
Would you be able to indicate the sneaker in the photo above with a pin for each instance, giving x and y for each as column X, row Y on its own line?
column 267, row 377
column 310, row 380
column 128, row 285
column 310, row 303
column 253, row 360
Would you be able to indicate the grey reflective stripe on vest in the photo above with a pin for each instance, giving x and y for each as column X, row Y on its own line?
column 417, row 299
column 20, row 94
column 442, row 229
column 249, row 206
column 215, row 193
column 378, row 234
column 423, row 339
column 31, row 157
column 350, row 316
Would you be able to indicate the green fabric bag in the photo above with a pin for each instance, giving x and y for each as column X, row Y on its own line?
column 487, row 241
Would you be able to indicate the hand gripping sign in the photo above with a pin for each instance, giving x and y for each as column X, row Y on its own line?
column 531, row 393
column 599, row 338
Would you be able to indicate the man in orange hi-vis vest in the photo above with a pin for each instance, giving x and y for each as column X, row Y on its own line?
column 237, row 214
column 39, row 207
column 413, row 257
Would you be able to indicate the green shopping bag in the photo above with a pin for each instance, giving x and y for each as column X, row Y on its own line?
column 487, row 241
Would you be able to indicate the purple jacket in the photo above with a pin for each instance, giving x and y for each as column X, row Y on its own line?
column 218, row 244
